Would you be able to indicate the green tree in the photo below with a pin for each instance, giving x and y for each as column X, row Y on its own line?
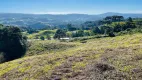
column 12, row 43
column 42, row 38
column 111, row 34
column 114, row 18
column 59, row 34
column 108, row 30
column 129, row 24
column 70, row 27
column 130, row 19
column 80, row 33
column 104, row 29
column 30, row 30
column 96, row 30
column 87, row 33
column 117, row 27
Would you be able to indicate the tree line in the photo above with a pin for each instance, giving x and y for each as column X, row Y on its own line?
column 109, row 26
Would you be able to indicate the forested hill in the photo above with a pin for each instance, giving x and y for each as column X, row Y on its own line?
column 42, row 20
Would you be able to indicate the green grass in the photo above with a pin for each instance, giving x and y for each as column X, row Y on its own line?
column 44, row 57
column 41, row 33
column 49, row 46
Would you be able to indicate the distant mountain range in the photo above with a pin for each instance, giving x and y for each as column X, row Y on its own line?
column 45, row 20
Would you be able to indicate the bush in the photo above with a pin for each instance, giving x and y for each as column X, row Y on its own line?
column 12, row 43
column 111, row 34
column 42, row 38
column 59, row 34
column 79, row 33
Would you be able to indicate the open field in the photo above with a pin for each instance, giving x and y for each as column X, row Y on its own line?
column 118, row 58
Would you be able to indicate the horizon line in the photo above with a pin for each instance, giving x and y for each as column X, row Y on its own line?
column 50, row 13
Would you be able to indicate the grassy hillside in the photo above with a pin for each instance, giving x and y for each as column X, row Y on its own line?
column 98, row 59
column 42, row 33
column 38, row 47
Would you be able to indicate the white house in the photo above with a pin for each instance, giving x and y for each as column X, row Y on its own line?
column 64, row 38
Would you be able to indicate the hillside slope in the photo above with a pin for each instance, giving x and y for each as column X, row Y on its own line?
column 98, row 59
column 39, row 21
column 41, row 33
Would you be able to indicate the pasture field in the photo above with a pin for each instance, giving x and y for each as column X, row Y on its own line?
column 101, row 58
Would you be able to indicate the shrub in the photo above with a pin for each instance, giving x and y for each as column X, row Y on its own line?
column 59, row 34
column 42, row 38
column 111, row 34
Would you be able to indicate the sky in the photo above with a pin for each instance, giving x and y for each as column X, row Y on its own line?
column 70, row 6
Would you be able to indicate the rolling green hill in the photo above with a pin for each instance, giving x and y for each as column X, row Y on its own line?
column 42, row 33
column 117, row 58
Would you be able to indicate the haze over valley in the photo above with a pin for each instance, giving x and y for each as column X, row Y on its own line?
column 39, row 21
